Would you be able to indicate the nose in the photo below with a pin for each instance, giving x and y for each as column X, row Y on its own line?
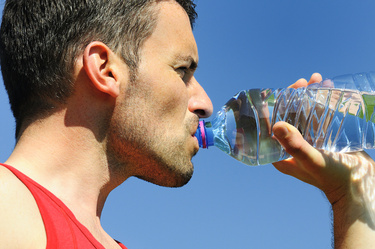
column 199, row 102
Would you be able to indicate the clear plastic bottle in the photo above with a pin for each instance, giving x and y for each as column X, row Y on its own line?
column 336, row 115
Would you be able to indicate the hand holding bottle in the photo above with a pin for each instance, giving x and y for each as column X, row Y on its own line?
column 347, row 179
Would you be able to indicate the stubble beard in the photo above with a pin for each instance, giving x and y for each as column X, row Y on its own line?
column 142, row 149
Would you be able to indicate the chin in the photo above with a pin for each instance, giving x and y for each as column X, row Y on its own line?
column 171, row 178
column 170, row 183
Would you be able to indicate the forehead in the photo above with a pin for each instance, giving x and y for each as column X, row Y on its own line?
column 172, row 33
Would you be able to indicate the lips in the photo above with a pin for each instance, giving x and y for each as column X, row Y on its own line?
column 194, row 129
column 193, row 132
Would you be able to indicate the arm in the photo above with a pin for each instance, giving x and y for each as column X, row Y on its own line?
column 345, row 180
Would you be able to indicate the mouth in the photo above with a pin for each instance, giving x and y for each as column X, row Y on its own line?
column 193, row 132
column 195, row 126
column 196, row 145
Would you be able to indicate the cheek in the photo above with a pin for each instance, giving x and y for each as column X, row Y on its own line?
column 166, row 94
column 176, row 99
column 178, row 104
column 170, row 99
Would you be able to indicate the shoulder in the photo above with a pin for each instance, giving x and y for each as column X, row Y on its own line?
column 21, row 225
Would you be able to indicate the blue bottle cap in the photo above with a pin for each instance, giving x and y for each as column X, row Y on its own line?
column 204, row 134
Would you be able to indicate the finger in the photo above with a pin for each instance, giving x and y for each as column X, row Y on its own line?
column 294, row 144
column 299, row 83
column 291, row 167
column 315, row 78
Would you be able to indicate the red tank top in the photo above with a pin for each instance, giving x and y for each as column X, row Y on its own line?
column 63, row 230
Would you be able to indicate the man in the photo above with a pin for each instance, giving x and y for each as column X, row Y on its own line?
column 105, row 90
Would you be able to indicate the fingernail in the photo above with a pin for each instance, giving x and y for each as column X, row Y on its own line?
column 281, row 132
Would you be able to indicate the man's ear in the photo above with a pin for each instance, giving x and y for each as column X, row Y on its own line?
column 99, row 63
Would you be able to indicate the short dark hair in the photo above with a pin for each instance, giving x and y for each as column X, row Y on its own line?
column 40, row 40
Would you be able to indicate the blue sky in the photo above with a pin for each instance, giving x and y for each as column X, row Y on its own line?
column 243, row 45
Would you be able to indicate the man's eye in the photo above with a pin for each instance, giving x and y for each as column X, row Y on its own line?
column 182, row 71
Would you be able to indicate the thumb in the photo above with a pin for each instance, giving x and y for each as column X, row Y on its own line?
column 294, row 144
column 306, row 162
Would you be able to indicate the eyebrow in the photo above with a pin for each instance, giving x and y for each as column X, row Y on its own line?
column 193, row 63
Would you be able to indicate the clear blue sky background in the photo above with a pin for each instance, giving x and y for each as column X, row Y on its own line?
column 243, row 44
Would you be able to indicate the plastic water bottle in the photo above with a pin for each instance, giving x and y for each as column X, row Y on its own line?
column 335, row 115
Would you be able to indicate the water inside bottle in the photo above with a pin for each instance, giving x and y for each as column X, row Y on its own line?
column 243, row 128
column 330, row 119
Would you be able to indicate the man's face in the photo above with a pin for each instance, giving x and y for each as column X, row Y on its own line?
column 157, row 115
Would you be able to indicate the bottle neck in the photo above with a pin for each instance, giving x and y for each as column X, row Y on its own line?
column 204, row 134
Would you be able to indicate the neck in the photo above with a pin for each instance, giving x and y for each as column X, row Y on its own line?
column 70, row 162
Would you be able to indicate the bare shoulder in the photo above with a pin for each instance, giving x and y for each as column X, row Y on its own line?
column 21, row 225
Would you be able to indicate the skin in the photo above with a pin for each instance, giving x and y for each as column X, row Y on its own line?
column 336, row 175
column 113, row 128
column 331, row 172
column 165, row 93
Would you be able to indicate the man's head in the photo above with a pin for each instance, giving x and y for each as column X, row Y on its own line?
column 156, row 115
column 120, row 70
column 40, row 41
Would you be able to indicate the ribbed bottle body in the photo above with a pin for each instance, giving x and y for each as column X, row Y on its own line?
column 335, row 115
